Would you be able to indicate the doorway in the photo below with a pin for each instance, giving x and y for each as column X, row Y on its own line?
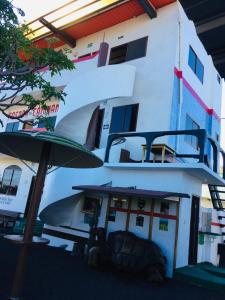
column 193, row 241
column 99, row 127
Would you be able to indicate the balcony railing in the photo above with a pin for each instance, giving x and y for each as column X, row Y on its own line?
column 203, row 140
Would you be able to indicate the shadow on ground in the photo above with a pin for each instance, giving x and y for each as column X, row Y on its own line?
column 53, row 274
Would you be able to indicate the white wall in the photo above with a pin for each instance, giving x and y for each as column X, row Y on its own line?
column 210, row 90
column 18, row 202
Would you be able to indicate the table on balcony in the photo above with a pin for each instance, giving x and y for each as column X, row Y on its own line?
column 161, row 152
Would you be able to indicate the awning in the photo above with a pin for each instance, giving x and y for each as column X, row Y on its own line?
column 124, row 191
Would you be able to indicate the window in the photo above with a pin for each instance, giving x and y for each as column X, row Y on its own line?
column 28, row 125
column 191, row 125
column 47, row 122
column 124, row 118
column 10, row 180
column 13, row 126
column 91, row 209
column 132, row 50
column 195, row 64
column 85, row 55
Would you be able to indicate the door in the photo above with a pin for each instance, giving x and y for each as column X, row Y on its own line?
column 193, row 241
column 99, row 127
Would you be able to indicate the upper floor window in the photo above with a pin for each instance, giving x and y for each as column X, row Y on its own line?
column 191, row 125
column 13, row 126
column 195, row 64
column 132, row 50
column 124, row 118
column 28, row 125
column 47, row 122
column 10, row 180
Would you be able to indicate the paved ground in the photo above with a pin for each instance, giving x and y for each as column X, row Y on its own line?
column 53, row 274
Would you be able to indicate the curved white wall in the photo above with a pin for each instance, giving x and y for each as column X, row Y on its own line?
column 92, row 87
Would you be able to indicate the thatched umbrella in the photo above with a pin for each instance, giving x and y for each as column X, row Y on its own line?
column 47, row 149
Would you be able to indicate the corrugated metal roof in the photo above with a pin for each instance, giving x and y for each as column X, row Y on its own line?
column 130, row 191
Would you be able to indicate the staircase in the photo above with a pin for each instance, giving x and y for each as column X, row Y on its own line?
column 217, row 193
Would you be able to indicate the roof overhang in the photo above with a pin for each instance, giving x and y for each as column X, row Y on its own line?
column 209, row 19
column 129, row 192
column 83, row 17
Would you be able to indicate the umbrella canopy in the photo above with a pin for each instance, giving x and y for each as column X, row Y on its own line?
column 47, row 149
column 28, row 145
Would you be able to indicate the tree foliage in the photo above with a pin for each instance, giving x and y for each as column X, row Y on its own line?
column 21, row 62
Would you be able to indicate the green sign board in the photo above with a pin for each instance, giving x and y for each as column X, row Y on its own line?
column 20, row 226
column 163, row 224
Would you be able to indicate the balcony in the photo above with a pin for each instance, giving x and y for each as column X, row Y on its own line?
column 88, row 89
column 201, row 164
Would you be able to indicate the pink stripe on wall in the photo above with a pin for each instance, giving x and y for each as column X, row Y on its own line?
column 217, row 224
column 77, row 60
column 210, row 111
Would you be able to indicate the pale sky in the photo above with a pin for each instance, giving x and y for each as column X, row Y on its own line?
column 36, row 8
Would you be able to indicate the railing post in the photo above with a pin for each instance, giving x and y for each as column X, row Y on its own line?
column 111, row 138
column 223, row 155
column 201, row 135
column 150, row 137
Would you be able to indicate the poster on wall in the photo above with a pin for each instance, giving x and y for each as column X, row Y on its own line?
column 6, row 200
column 165, row 207
column 163, row 224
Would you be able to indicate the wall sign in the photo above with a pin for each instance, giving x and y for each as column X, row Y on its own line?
column 141, row 203
column 165, row 207
column 112, row 216
column 37, row 111
column 118, row 203
column 6, row 200
column 140, row 221
column 106, row 126
column 163, row 224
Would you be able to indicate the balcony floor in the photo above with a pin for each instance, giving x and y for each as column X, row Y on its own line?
column 198, row 170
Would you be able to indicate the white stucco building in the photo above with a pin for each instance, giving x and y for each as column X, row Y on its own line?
column 136, row 78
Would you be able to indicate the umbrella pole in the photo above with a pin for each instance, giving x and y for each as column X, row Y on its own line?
column 31, row 218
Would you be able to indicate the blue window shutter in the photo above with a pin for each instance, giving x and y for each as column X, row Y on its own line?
column 127, row 118
column 199, row 70
column 192, row 59
column 117, row 122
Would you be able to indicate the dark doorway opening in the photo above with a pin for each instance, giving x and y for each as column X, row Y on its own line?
column 99, row 127
column 193, row 241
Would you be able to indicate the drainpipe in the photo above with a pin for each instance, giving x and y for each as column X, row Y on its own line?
column 180, row 90
column 103, row 53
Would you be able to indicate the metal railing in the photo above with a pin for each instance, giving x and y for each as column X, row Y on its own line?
column 202, row 139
